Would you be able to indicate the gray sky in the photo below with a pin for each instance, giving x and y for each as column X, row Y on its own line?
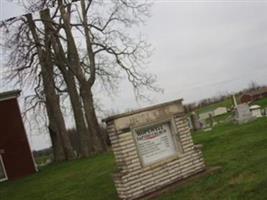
column 202, row 49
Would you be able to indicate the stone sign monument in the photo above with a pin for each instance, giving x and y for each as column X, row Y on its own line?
column 153, row 148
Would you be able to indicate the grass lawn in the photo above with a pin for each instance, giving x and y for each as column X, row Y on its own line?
column 261, row 102
column 43, row 159
column 240, row 150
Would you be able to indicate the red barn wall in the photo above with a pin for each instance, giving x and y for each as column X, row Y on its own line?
column 245, row 98
column 17, row 156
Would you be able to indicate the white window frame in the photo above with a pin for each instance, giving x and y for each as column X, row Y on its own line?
column 3, row 166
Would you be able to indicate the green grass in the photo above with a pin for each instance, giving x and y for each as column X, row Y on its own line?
column 261, row 102
column 222, row 118
column 42, row 159
column 82, row 179
column 241, row 151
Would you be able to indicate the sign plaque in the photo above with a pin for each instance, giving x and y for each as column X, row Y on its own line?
column 155, row 143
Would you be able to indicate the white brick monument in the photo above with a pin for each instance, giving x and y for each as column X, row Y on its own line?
column 153, row 149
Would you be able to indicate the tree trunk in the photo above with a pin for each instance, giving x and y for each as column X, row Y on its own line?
column 92, row 67
column 85, row 86
column 69, row 78
column 83, row 131
column 98, row 139
column 52, row 100
column 58, row 151
column 74, row 61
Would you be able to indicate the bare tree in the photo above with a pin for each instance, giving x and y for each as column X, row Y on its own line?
column 109, row 50
column 52, row 99
column 109, row 53
column 25, row 59
column 63, row 65
column 30, row 59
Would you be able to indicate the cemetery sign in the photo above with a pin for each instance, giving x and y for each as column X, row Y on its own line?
column 153, row 148
column 155, row 143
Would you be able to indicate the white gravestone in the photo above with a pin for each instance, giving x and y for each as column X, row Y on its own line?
column 256, row 111
column 243, row 114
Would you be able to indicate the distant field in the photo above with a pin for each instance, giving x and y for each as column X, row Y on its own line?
column 241, row 151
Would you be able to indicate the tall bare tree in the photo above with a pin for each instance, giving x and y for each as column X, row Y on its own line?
column 23, row 68
column 109, row 53
column 63, row 64
column 52, row 99
column 109, row 50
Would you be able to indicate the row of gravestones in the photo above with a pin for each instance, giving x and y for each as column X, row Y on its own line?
column 242, row 115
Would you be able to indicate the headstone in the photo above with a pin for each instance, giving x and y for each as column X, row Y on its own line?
column 153, row 148
column 256, row 111
column 196, row 124
column 243, row 114
column 220, row 111
column 207, row 129
column 211, row 120
column 206, row 115
column 203, row 124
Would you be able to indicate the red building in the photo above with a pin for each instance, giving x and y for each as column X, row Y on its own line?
column 16, row 158
column 254, row 95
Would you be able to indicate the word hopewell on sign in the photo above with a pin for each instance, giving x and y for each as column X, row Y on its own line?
column 155, row 143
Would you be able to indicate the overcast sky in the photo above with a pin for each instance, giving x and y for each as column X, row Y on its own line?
column 202, row 49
